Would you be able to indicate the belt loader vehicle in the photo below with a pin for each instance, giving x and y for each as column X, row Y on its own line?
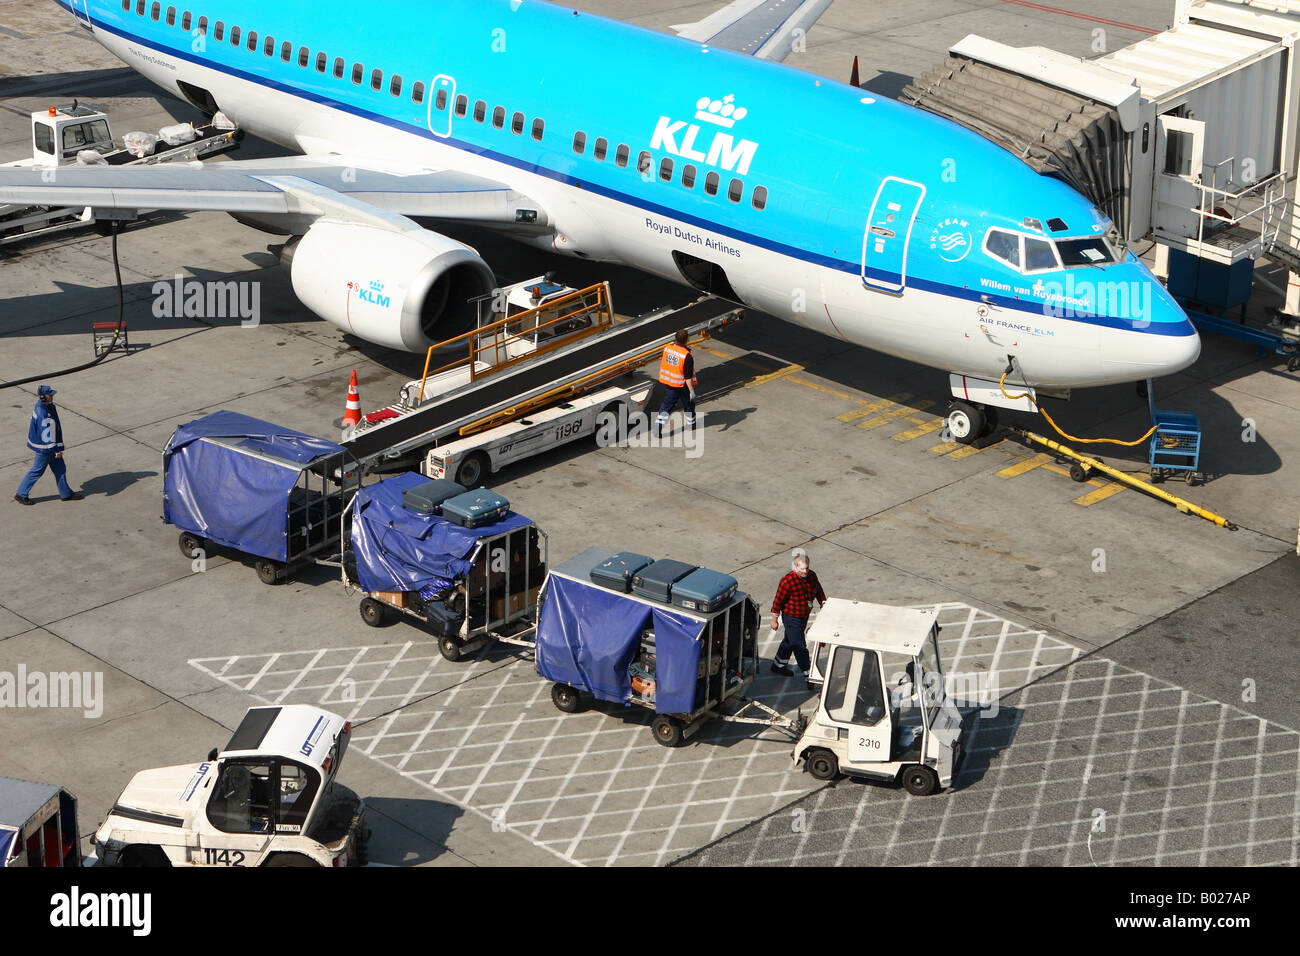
column 883, row 713
column 270, row 798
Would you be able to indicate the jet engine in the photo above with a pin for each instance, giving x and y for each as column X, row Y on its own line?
column 403, row 290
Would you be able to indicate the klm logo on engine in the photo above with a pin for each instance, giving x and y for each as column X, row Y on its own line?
column 724, row 151
column 374, row 294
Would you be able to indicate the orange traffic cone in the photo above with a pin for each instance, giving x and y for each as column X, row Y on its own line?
column 352, row 414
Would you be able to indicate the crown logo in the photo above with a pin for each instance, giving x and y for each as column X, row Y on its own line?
column 376, row 285
column 721, row 112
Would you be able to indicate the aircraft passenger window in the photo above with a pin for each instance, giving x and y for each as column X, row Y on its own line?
column 620, row 156
column 252, row 40
column 126, row 5
column 760, row 197
column 1092, row 251
column 480, row 111
column 268, row 46
column 688, row 176
column 376, row 79
column 666, row 169
column 358, row 72
column 517, row 123
column 139, row 8
column 304, row 56
column 601, row 149
column 322, row 61
column 711, row 184
column 286, row 52
column 499, row 117
column 155, row 11
column 171, row 16
column 539, row 127
column 186, row 19
column 579, row 142
column 440, row 102
column 395, row 85
column 234, row 36
column 462, row 105
column 643, row 162
column 338, row 67
column 218, row 31
column 417, row 92
column 1038, row 255
column 203, row 26
column 735, row 190
column 1004, row 246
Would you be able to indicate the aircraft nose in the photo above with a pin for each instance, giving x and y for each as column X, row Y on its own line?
column 1182, row 345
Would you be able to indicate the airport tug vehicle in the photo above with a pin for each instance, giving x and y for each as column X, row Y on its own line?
column 270, row 798
column 883, row 713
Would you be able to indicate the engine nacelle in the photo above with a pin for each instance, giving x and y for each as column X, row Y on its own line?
column 403, row 290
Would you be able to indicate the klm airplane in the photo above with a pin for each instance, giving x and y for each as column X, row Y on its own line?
column 698, row 158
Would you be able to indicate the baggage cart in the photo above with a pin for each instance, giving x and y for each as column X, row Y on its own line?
column 38, row 825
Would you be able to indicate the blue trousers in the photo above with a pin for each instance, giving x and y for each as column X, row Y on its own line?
column 46, row 459
column 671, row 397
column 792, row 641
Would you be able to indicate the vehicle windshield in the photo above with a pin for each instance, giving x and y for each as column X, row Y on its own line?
column 1089, row 251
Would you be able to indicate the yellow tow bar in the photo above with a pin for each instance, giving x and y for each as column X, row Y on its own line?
column 1092, row 464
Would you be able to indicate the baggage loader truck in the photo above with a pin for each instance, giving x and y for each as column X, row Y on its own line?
column 883, row 713
column 269, row 798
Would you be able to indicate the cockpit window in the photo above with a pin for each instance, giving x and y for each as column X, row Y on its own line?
column 1039, row 255
column 1004, row 246
column 1090, row 251
column 1057, row 225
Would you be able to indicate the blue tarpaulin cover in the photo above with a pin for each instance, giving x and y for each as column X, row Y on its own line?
column 236, row 499
column 8, row 837
column 397, row 549
column 588, row 635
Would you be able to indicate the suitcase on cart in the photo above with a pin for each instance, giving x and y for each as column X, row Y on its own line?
column 427, row 499
column 655, row 581
column 618, row 571
column 703, row 590
column 475, row 508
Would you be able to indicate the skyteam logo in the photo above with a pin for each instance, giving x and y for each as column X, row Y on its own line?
column 724, row 151
column 951, row 239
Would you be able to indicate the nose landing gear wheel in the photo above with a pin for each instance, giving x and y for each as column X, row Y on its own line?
column 966, row 422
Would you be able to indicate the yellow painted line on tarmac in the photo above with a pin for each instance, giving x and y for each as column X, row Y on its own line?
column 1099, row 494
column 869, row 408
column 923, row 429
column 1029, row 464
column 965, row 451
column 822, row 388
column 945, row 447
column 773, row 376
column 894, row 414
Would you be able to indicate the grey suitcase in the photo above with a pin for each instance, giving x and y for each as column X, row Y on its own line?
column 475, row 508
column 655, row 581
column 617, row 572
column 703, row 591
column 427, row 499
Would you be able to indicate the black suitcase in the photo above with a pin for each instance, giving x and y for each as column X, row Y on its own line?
column 618, row 571
column 703, row 591
column 475, row 508
column 656, row 580
column 427, row 499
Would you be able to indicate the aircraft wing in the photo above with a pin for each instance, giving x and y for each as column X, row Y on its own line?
column 767, row 29
column 293, row 185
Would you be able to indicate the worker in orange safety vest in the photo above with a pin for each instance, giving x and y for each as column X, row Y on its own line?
column 677, row 373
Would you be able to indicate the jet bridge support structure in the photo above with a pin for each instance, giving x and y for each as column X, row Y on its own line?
column 1187, row 137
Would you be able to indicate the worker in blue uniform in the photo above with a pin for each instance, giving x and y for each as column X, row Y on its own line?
column 45, row 437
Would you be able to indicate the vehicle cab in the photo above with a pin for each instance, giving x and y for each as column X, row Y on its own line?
column 268, row 799
column 61, row 132
column 883, row 712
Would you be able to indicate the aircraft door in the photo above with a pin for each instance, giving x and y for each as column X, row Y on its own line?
column 853, row 698
column 442, row 93
column 1180, row 145
column 889, row 228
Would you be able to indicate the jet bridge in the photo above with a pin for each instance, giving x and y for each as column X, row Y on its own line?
column 1187, row 137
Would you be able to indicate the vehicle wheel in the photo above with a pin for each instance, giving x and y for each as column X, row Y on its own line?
column 372, row 611
column 611, row 424
column 1293, row 363
column 822, row 764
column 920, row 781
column 472, row 470
column 1156, row 476
column 1078, row 472
column 565, row 698
column 268, row 572
column 449, row 647
column 667, row 730
column 290, row 859
column 190, row 543
column 965, row 423
column 144, row 856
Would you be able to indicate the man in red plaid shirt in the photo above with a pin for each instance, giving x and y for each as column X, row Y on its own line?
column 793, row 603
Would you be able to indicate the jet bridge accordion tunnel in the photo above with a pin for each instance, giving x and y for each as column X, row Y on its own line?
column 1057, row 133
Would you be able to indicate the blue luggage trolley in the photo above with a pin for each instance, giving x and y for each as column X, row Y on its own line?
column 1175, row 444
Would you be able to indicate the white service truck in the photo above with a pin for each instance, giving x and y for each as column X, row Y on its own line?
column 75, row 135
column 270, row 798
column 884, row 712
